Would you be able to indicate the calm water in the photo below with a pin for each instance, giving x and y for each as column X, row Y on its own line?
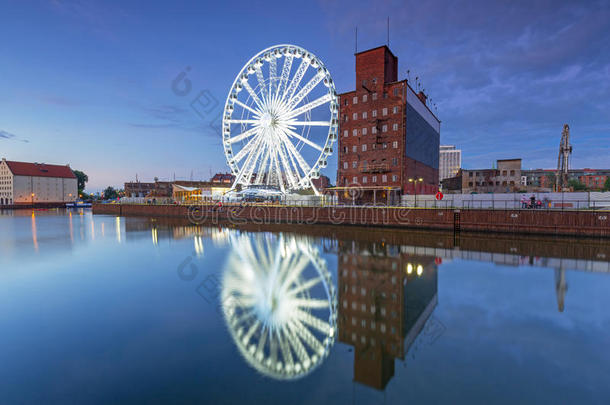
column 99, row 309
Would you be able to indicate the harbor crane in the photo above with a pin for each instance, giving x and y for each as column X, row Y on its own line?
column 565, row 150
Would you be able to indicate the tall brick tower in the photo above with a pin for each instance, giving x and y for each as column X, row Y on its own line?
column 388, row 138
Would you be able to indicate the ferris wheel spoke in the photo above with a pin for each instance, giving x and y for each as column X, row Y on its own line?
column 294, row 83
column 253, row 94
column 264, row 162
column 261, row 82
column 244, row 135
column 307, row 336
column 297, row 346
column 312, row 303
column 279, row 172
column 309, row 123
column 304, row 140
column 286, row 354
column 287, row 167
column 253, row 122
column 305, row 90
column 313, row 321
column 253, row 328
column 294, row 164
column 310, row 106
column 247, row 107
column 286, row 67
column 305, row 286
column 292, row 150
column 246, row 149
column 272, row 74
column 246, row 168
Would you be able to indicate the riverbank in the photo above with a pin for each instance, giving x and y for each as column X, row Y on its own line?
column 568, row 223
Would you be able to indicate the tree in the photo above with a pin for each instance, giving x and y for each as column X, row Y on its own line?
column 576, row 185
column 81, row 180
column 607, row 184
column 110, row 193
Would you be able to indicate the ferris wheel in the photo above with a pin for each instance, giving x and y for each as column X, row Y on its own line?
column 280, row 119
column 279, row 304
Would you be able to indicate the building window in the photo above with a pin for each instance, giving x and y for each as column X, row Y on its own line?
column 364, row 130
column 345, row 132
column 364, row 147
column 345, row 118
column 345, row 149
column 470, row 174
column 503, row 173
column 395, row 91
column 512, row 172
column 385, row 94
column 345, row 101
column 385, row 145
column 354, row 180
column 374, row 113
column 374, row 179
column 374, row 96
column 364, row 115
column 395, row 127
column 373, row 130
column 395, row 144
column 354, row 132
column 384, row 178
column 384, row 111
column 364, row 180
column 374, row 80
column 354, row 164
column 395, row 109
column 394, row 161
column 355, row 116
column 384, row 128
column 345, row 165
column 394, row 177
column 470, row 184
column 355, row 100
column 365, row 98
column 354, row 149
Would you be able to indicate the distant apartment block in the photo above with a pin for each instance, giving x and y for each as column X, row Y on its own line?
column 450, row 161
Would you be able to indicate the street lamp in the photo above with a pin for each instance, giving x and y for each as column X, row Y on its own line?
column 33, row 198
column 415, row 181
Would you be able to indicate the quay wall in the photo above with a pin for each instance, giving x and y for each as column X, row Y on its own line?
column 546, row 222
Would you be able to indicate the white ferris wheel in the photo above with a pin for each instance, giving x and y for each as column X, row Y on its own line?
column 279, row 304
column 280, row 119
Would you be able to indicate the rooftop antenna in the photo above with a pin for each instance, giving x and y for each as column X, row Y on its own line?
column 388, row 31
column 408, row 75
column 356, row 43
column 417, row 83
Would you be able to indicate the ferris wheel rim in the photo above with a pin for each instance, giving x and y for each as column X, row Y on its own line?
column 299, row 173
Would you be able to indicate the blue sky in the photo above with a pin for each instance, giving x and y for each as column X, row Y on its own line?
column 90, row 82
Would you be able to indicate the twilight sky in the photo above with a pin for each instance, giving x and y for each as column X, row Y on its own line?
column 90, row 82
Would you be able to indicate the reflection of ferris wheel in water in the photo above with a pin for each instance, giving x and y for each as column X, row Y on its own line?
column 279, row 304
column 280, row 119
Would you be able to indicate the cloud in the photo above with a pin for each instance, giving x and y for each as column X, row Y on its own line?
column 9, row 135
column 6, row 135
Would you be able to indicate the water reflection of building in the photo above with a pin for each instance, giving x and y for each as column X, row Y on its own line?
column 385, row 298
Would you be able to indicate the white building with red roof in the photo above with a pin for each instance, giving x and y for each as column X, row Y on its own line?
column 23, row 183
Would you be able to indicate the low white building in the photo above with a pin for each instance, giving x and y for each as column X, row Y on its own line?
column 36, row 183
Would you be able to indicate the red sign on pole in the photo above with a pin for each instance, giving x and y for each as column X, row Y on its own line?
column 439, row 196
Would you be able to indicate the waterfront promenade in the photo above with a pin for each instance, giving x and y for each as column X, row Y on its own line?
column 544, row 222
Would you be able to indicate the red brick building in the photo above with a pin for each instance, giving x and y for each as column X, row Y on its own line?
column 388, row 137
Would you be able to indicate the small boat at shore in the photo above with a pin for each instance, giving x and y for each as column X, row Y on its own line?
column 79, row 204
